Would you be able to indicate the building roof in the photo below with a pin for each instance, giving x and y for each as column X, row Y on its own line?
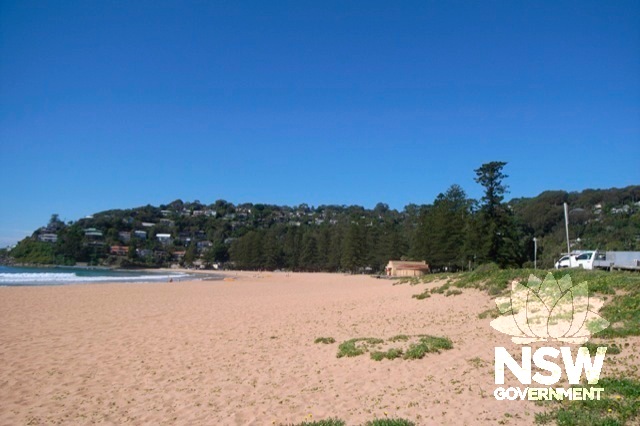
column 405, row 264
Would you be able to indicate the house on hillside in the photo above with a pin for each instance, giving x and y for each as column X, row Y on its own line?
column 204, row 245
column 402, row 268
column 48, row 237
column 164, row 238
column 92, row 233
column 119, row 250
column 144, row 252
column 140, row 234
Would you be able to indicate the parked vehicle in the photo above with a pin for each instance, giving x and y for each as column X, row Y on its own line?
column 565, row 261
column 595, row 259
column 620, row 260
column 577, row 259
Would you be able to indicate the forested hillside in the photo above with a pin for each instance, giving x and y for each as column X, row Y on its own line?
column 453, row 232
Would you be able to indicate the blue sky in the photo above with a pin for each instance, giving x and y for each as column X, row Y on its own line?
column 109, row 104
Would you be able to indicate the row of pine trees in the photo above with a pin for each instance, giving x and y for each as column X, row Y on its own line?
column 453, row 233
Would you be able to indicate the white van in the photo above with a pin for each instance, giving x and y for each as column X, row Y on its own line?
column 566, row 261
column 582, row 259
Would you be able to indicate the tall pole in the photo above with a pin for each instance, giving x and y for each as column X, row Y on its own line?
column 566, row 225
column 535, row 253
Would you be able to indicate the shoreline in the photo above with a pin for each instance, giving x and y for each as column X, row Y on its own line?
column 63, row 275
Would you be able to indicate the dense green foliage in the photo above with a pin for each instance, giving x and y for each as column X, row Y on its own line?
column 621, row 289
column 599, row 219
column 619, row 406
column 454, row 232
column 35, row 251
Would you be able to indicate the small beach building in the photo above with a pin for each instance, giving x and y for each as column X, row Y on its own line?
column 404, row 268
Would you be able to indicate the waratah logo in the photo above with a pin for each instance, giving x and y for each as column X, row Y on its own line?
column 549, row 310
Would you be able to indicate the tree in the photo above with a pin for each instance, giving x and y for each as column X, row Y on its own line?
column 291, row 247
column 450, row 212
column 440, row 234
column 247, row 251
column 55, row 223
column 272, row 251
column 353, row 248
column 309, row 256
column 498, row 232
column 33, row 252
column 191, row 254
column 334, row 259
column 70, row 245
column 490, row 176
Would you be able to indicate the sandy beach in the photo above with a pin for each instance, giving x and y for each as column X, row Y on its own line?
column 242, row 351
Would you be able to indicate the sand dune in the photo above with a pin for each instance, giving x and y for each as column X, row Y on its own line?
column 242, row 352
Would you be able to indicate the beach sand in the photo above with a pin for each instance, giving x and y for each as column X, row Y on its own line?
column 242, row 351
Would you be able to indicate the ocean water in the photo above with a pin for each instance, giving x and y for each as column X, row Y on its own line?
column 15, row 276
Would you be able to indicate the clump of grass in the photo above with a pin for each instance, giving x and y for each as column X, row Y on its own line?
column 491, row 313
column 427, row 344
column 390, row 422
column 358, row 346
column 408, row 280
column 338, row 422
column 477, row 362
column 424, row 295
column 325, row 422
column 392, row 353
column 612, row 349
column 349, row 349
column 399, row 338
column 439, row 276
column 444, row 287
column 487, row 277
column 618, row 406
column 325, row 340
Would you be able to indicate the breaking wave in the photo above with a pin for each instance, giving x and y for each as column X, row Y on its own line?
column 70, row 277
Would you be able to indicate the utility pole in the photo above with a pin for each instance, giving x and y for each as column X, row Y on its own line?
column 535, row 253
column 566, row 225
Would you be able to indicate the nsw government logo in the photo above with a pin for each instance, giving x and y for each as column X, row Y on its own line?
column 548, row 311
